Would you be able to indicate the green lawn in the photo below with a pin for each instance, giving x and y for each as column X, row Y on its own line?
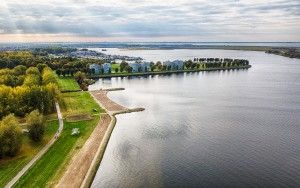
column 10, row 167
column 114, row 66
column 49, row 169
column 78, row 103
column 67, row 83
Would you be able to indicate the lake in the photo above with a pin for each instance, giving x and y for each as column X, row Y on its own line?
column 236, row 128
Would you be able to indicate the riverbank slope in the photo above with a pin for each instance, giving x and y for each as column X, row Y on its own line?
column 80, row 173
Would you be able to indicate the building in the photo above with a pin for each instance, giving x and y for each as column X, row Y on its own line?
column 145, row 66
column 140, row 66
column 135, row 66
column 106, row 68
column 178, row 65
column 95, row 67
column 174, row 65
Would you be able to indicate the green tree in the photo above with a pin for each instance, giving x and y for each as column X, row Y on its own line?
column 123, row 66
column 35, row 125
column 33, row 70
column 80, row 77
column 19, row 70
column 48, row 76
column 41, row 66
column 10, row 136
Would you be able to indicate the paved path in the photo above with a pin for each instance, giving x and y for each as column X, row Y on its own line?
column 42, row 152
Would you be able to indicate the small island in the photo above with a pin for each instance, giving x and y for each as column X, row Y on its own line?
column 144, row 68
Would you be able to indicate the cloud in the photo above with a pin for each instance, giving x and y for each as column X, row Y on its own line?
column 197, row 19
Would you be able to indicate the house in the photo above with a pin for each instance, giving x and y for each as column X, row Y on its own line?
column 145, row 66
column 174, row 65
column 135, row 66
column 178, row 65
column 95, row 67
column 106, row 68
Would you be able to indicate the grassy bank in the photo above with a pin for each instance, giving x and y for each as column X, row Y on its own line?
column 68, row 84
column 9, row 167
column 48, row 170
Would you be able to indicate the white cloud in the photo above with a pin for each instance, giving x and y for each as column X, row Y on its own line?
column 196, row 20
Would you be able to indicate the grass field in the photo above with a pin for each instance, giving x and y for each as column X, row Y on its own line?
column 78, row 103
column 67, row 83
column 114, row 66
column 47, row 171
column 10, row 167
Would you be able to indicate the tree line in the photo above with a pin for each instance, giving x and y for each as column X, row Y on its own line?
column 64, row 66
column 25, row 92
column 197, row 64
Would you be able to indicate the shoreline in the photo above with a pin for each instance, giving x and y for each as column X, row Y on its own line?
column 80, row 173
column 165, row 72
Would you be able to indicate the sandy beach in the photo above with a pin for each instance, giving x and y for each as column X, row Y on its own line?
column 83, row 165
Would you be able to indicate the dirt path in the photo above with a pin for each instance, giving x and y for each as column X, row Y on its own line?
column 40, row 153
column 81, row 162
column 84, row 164
column 109, row 105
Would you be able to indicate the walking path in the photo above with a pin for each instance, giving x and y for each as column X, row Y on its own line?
column 42, row 152
column 84, row 164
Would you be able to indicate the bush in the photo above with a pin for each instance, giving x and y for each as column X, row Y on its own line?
column 35, row 124
column 10, row 136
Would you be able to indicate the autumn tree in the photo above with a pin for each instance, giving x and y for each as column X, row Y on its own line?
column 80, row 76
column 48, row 76
column 35, row 125
column 10, row 136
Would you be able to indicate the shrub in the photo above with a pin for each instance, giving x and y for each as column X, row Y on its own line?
column 35, row 123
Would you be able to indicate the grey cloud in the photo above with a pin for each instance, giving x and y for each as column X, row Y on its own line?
column 143, row 19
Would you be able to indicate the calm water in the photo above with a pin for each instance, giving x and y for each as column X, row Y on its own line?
column 209, row 129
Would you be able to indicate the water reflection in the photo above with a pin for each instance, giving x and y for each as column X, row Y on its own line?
column 234, row 128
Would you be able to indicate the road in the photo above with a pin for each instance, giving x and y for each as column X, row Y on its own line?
column 42, row 152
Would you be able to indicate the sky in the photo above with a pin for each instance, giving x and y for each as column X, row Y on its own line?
column 149, row 20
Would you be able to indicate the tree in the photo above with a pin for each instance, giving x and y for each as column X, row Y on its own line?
column 10, row 136
column 41, row 66
column 35, row 125
column 93, row 71
column 152, row 68
column 48, row 76
column 58, row 72
column 123, row 65
column 32, row 79
column 158, row 63
column 79, row 76
column 116, row 70
column 19, row 70
column 129, row 69
column 33, row 70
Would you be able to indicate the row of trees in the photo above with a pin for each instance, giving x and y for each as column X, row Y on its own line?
column 201, row 63
column 64, row 65
column 11, row 132
column 226, row 63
